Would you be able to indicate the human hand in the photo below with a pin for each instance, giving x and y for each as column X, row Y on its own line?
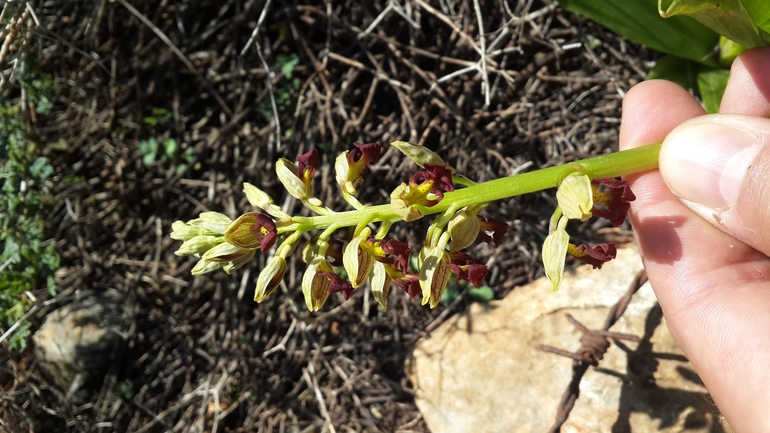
column 707, row 259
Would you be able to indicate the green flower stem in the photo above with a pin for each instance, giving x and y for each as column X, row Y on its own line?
column 610, row 165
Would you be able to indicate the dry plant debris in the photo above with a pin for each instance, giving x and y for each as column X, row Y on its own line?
column 495, row 87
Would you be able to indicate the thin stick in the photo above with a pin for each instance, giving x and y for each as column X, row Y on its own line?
column 254, row 32
column 482, row 41
column 18, row 323
column 179, row 54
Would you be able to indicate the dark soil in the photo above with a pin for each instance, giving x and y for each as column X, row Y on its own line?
column 200, row 354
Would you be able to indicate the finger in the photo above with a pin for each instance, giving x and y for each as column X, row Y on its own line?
column 711, row 287
column 748, row 91
column 720, row 164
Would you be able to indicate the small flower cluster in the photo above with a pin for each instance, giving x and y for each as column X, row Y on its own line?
column 580, row 198
column 365, row 255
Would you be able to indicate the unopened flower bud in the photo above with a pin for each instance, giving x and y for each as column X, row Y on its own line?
column 420, row 155
column 262, row 200
column 357, row 261
column 214, row 221
column 434, row 276
column 270, row 278
column 224, row 252
column 575, row 197
column 238, row 263
column 380, row 283
column 252, row 230
column 183, row 231
column 315, row 286
column 205, row 266
column 464, row 229
column 198, row 245
column 554, row 254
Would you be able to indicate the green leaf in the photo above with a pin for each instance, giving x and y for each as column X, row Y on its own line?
column 712, row 85
column 727, row 17
column 169, row 145
column 149, row 150
column 639, row 21
column 729, row 50
column 681, row 71
column 18, row 341
column 40, row 169
column 483, row 293
column 287, row 64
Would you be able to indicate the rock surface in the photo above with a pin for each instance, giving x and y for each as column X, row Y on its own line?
column 481, row 372
column 75, row 343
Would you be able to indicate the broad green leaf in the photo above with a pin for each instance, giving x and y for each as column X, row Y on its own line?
column 639, row 21
column 483, row 293
column 712, row 85
column 726, row 17
column 169, row 145
column 759, row 10
column 681, row 71
column 729, row 50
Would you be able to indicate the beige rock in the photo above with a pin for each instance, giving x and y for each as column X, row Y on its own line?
column 75, row 343
column 481, row 372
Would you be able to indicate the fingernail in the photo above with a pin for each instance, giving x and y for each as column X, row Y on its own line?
column 705, row 163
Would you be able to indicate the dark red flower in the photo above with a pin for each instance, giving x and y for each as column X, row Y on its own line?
column 252, row 230
column 472, row 272
column 493, row 230
column 338, row 284
column 463, row 265
column 392, row 252
column 615, row 195
column 410, row 283
column 434, row 179
column 306, row 165
column 363, row 155
column 595, row 256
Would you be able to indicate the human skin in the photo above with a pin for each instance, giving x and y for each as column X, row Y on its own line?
column 707, row 256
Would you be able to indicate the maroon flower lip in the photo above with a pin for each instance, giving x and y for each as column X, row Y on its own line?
column 493, row 230
column 252, row 230
column 595, row 256
column 615, row 195
column 306, row 165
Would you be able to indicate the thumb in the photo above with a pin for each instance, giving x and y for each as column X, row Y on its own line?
column 720, row 166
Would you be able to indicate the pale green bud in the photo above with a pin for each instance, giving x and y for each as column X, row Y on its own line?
column 270, row 278
column 554, row 255
column 357, row 262
column 464, row 229
column 183, row 231
column 262, row 200
column 198, row 245
column 238, row 263
column 575, row 197
column 316, row 287
column 224, row 252
column 380, row 282
column 434, row 276
column 205, row 266
column 421, row 155
column 214, row 221
column 288, row 174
